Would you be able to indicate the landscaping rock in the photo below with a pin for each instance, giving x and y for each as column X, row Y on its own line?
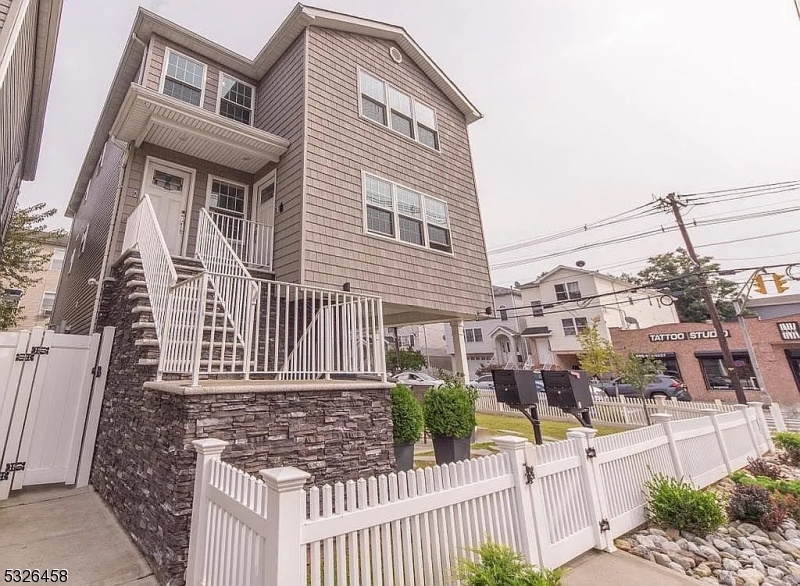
column 662, row 559
column 623, row 544
column 731, row 565
column 702, row 570
column 748, row 529
column 670, row 547
column 685, row 562
column 710, row 554
column 751, row 576
column 773, row 560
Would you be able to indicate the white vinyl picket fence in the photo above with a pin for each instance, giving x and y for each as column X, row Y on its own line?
column 627, row 410
column 551, row 503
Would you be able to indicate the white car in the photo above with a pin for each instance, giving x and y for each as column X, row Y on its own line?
column 418, row 379
column 484, row 382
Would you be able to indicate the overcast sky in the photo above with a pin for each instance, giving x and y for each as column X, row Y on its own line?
column 590, row 108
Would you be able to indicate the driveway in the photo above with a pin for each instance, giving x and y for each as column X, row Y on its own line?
column 621, row 569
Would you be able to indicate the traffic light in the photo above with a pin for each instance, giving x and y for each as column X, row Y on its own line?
column 780, row 282
column 758, row 285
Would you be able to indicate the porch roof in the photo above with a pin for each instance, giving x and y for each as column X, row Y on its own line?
column 535, row 332
column 149, row 116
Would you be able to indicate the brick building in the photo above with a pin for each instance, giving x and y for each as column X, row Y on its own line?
column 692, row 351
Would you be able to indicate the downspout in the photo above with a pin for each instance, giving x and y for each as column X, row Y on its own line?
column 144, row 57
column 126, row 149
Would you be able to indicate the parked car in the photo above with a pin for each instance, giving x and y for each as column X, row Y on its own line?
column 418, row 379
column 664, row 386
column 485, row 382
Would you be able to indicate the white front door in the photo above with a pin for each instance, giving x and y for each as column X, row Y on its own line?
column 264, row 201
column 168, row 188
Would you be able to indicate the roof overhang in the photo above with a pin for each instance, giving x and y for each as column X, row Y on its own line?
column 148, row 116
column 536, row 333
column 147, row 24
column 47, row 25
column 502, row 330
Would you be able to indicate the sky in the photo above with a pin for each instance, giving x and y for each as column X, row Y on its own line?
column 590, row 109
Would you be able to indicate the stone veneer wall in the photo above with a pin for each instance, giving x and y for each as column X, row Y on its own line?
column 144, row 461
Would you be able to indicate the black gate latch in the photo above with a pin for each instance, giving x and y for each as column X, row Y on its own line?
column 529, row 475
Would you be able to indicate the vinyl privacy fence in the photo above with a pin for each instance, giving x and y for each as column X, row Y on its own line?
column 551, row 503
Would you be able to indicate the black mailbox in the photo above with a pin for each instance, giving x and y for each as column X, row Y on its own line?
column 567, row 389
column 515, row 387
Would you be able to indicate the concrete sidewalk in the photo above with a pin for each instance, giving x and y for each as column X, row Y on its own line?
column 72, row 529
column 621, row 569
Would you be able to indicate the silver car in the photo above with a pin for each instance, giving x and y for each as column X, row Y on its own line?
column 483, row 382
column 417, row 379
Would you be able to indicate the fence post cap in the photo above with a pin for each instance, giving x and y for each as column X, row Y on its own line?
column 284, row 479
column 741, row 407
column 757, row 404
column 581, row 432
column 209, row 446
column 664, row 417
column 709, row 411
column 510, row 443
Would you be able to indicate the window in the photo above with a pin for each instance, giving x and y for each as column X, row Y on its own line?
column 574, row 325
column 402, row 213
column 407, row 341
column 473, row 335
column 567, row 291
column 83, row 238
column 57, row 259
column 388, row 106
column 537, row 309
column 716, row 375
column 503, row 313
column 48, row 302
column 71, row 261
column 226, row 200
column 184, row 78
column 235, row 99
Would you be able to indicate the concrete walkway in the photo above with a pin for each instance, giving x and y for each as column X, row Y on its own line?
column 621, row 569
column 72, row 529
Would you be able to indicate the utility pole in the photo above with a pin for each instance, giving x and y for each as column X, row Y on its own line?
column 727, row 358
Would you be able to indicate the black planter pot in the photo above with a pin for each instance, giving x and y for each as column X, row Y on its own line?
column 450, row 449
column 404, row 457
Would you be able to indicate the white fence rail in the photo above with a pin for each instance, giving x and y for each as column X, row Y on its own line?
column 143, row 232
column 251, row 241
column 551, row 503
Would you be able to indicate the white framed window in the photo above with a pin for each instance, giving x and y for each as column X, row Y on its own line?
column 574, row 325
column 388, row 106
column 227, row 200
column 568, row 291
column 84, row 235
column 236, row 99
column 48, row 302
column 183, row 78
column 395, row 211
column 473, row 334
column 57, row 259
column 537, row 309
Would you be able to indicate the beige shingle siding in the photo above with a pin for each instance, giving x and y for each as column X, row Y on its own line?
column 15, row 110
column 5, row 6
column 341, row 145
column 279, row 110
column 156, row 64
column 75, row 300
column 202, row 170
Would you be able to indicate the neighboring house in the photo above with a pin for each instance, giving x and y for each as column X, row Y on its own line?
column 496, row 341
column 37, row 301
column 28, row 32
column 430, row 339
column 338, row 158
column 564, row 301
column 774, row 305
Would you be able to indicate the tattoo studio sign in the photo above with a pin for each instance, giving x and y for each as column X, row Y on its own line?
column 684, row 336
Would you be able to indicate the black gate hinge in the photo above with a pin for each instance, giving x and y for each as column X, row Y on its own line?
column 24, row 357
column 529, row 475
column 591, row 453
column 605, row 526
column 11, row 467
column 97, row 371
column 40, row 350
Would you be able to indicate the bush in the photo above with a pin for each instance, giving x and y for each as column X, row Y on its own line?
column 790, row 442
column 762, row 467
column 754, row 504
column 782, row 486
column 450, row 410
column 790, row 503
column 677, row 504
column 406, row 416
column 499, row 565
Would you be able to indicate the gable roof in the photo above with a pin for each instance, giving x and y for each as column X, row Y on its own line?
column 574, row 270
column 148, row 23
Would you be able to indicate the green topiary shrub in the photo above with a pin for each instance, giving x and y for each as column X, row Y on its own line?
column 790, row 442
column 676, row 504
column 406, row 416
column 450, row 410
column 499, row 565
column 754, row 504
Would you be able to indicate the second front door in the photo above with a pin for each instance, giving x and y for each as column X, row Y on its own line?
column 168, row 188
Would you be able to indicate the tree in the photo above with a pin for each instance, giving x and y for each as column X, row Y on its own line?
column 597, row 355
column 22, row 257
column 675, row 274
column 639, row 373
column 410, row 359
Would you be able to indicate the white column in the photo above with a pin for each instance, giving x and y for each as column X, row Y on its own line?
column 665, row 419
column 286, row 509
column 514, row 447
column 207, row 450
column 460, row 363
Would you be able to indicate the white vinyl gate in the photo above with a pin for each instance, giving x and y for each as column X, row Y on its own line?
column 51, row 391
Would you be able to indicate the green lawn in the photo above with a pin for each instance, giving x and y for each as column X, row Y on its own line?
column 494, row 424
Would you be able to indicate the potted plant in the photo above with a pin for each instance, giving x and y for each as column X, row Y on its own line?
column 406, row 425
column 450, row 419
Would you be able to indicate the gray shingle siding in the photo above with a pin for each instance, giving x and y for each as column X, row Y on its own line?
column 5, row 6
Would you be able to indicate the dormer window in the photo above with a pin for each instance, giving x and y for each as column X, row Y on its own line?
column 235, row 99
column 184, row 78
column 388, row 106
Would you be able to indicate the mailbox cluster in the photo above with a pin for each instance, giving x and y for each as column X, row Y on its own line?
column 567, row 389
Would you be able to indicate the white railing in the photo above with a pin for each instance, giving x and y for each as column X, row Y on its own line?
column 143, row 232
column 292, row 331
column 251, row 241
column 551, row 503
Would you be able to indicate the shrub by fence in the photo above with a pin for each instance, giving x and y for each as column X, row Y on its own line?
column 551, row 503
